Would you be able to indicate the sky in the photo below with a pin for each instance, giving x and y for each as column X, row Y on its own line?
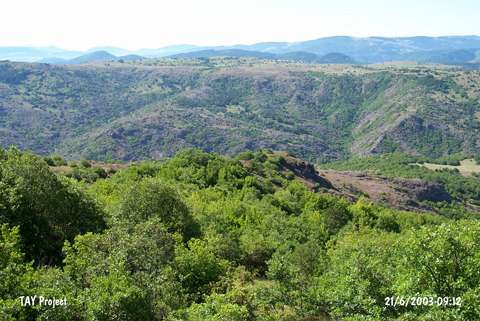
column 80, row 25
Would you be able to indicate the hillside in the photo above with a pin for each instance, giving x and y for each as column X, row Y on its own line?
column 204, row 237
column 444, row 183
column 299, row 56
column 151, row 109
column 410, row 194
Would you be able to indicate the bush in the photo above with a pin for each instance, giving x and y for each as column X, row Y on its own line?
column 150, row 198
column 48, row 209
column 85, row 163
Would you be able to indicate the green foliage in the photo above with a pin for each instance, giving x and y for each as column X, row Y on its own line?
column 367, row 267
column 320, row 113
column 463, row 189
column 149, row 199
column 199, row 268
column 217, row 308
column 12, row 272
column 85, row 163
column 359, row 276
column 87, row 174
column 205, row 237
column 55, row 160
column 48, row 209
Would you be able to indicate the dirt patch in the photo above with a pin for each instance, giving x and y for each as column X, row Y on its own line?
column 405, row 194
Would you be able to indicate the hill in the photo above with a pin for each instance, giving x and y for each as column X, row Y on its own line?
column 95, row 56
column 374, row 49
column 389, row 169
column 92, row 57
column 446, row 49
column 151, row 109
column 300, row 56
column 31, row 54
column 209, row 53
column 335, row 58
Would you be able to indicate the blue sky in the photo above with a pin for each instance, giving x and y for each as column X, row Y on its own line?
column 156, row 23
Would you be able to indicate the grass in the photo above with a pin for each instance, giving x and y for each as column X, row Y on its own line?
column 467, row 167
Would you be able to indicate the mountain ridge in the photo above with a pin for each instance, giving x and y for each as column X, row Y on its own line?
column 364, row 50
column 302, row 56
column 91, row 57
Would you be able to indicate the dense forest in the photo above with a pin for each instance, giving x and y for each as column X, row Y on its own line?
column 206, row 237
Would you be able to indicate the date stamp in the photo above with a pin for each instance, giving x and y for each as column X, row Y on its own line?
column 412, row 301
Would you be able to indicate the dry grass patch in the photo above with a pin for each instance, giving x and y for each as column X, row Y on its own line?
column 467, row 167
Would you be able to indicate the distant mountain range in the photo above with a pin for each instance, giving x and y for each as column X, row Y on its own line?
column 104, row 56
column 331, row 58
column 460, row 50
column 96, row 56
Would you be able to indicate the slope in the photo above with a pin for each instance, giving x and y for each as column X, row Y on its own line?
column 150, row 109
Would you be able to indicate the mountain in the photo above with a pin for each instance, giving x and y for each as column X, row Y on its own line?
column 363, row 50
column 298, row 56
column 168, row 51
column 30, row 54
column 209, row 53
column 453, row 57
column 331, row 58
column 129, row 58
column 373, row 49
column 112, row 50
column 96, row 56
column 53, row 60
column 368, row 50
column 335, row 58
column 446, row 50
column 319, row 112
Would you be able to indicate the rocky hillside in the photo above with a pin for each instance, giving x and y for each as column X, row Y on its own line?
column 413, row 194
column 151, row 109
column 405, row 194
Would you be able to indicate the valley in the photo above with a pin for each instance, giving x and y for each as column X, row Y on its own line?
column 240, row 160
column 154, row 108
column 233, row 188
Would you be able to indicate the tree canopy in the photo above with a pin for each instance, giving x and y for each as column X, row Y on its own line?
column 205, row 237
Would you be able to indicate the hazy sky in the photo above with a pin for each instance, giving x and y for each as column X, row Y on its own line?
column 82, row 24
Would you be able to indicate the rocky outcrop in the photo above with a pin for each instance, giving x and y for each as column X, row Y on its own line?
column 304, row 171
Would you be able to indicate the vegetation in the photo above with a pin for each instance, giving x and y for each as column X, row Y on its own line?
column 465, row 189
column 465, row 167
column 205, row 237
column 152, row 109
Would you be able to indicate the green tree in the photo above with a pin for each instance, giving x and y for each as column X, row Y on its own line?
column 47, row 209
column 150, row 198
column 12, row 275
